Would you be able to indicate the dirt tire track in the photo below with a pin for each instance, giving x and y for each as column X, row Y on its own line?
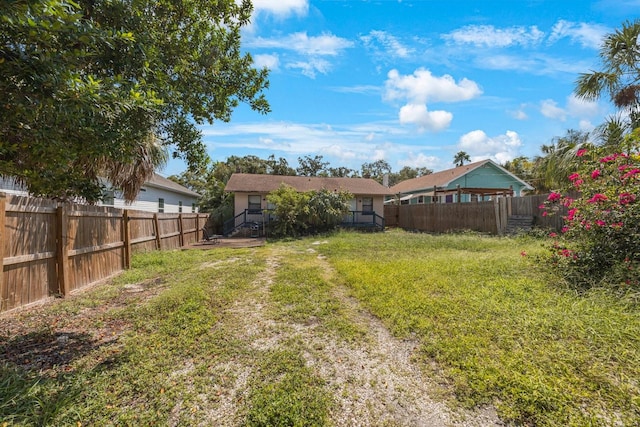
column 374, row 383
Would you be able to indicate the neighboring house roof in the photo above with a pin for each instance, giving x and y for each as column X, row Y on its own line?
column 157, row 181
column 245, row 182
column 444, row 178
column 166, row 184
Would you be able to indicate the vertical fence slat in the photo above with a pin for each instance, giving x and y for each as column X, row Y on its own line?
column 156, row 225
column 3, row 236
column 62, row 255
column 126, row 238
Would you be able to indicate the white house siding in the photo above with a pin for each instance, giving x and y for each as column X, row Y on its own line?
column 148, row 200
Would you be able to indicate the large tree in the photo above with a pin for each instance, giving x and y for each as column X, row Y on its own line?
column 619, row 80
column 94, row 88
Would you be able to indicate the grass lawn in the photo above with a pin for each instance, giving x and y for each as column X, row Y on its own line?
column 218, row 337
column 498, row 328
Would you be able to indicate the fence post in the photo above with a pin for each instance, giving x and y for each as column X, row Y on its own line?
column 126, row 238
column 156, row 225
column 62, row 251
column 3, row 205
column 181, row 229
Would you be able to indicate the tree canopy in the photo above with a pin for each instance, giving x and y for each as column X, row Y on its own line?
column 95, row 88
column 619, row 79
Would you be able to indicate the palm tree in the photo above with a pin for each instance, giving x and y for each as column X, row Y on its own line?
column 460, row 158
column 559, row 160
column 130, row 176
column 619, row 78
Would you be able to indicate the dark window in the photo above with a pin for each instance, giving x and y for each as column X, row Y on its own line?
column 108, row 198
column 179, row 206
column 367, row 204
column 161, row 205
column 193, row 207
column 254, row 204
column 448, row 198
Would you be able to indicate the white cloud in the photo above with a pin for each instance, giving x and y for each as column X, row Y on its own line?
column 272, row 62
column 586, row 125
column 501, row 148
column 422, row 87
column 282, row 8
column 312, row 67
column 421, row 161
column 587, row 35
column 535, row 64
column 519, row 114
column 325, row 44
column 549, row 108
column 426, row 120
column 490, row 36
column 391, row 46
column 574, row 107
column 582, row 108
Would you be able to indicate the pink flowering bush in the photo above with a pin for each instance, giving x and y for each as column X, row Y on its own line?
column 600, row 241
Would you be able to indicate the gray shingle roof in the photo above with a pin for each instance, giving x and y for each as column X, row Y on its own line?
column 245, row 182
column 162, row 182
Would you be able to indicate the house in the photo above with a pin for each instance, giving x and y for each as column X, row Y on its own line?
column 476, row 181
column 367, row 205
column 159, row 194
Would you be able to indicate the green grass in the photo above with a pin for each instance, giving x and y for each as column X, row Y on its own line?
column 498, row 328
column 492, row 327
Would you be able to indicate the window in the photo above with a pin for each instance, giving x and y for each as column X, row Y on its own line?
column 108, row 197
column 448, row 198
column 180, row 206
column 161, row 205
column 193, row 208
column 367, row 205
column 255, row 203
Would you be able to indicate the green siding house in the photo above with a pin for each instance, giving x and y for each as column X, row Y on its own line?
column 476, row 181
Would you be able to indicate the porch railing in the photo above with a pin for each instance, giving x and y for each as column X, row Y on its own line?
column 249, row 218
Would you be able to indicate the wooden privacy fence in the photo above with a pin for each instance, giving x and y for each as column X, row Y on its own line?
column 49, row 248
column 487, row 217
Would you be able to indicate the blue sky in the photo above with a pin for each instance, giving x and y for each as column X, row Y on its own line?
column 414, row 82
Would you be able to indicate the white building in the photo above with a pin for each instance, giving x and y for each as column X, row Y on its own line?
column 159, row 194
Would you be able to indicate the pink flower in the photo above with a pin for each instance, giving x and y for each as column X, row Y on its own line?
column 598, row 197
column 577, row 183
column 553, row 234
column 523, row 253
column 574, row 176
column 581, row 152
column 571, row 214
column 544, row 213
column 565, row 229
column 595, row 174
column 541, row 206
column 566, row 252
column 600, row 222
column 554, row 196
column 631, row 173
column 567, row 201
column 626, row 198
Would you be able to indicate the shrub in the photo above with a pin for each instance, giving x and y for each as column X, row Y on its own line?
column 599, row 242
column 299, row 213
